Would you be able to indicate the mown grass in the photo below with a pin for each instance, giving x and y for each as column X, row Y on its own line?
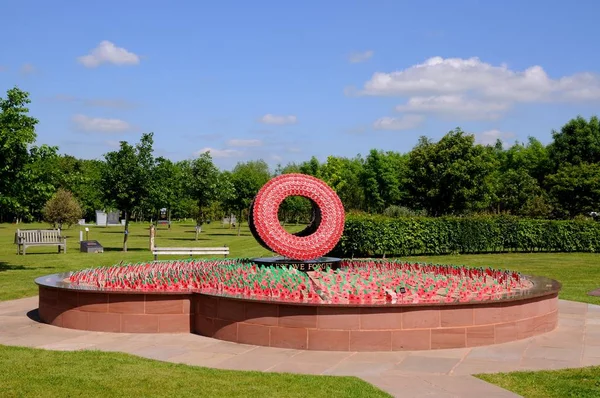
column 578, row 272
column 580, row 383
column 18, row 272
column 30, row 372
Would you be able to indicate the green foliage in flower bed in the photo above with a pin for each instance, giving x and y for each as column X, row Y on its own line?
column 366, row 235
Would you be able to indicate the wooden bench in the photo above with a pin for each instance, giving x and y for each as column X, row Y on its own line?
column 190, row 251
column 39, row 237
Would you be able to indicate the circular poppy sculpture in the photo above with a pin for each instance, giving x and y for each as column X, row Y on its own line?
column 322, row 233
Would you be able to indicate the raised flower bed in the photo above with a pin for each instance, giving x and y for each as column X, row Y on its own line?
column 365, row 305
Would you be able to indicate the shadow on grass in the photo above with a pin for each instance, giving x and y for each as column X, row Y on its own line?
column 8, row 267
column 228, row 234
column 11, row 267
column 188, row 239
column 129, row 249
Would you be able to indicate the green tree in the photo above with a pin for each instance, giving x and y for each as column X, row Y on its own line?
column 202, row 179
column 452, row 176
column 577, row 142
column 166, row 189
column 519, row 194
column 533, row 157
column 382, row 179
column 37, row 181
column 247, row 179
column 575, row 189
column 17, row 133
column 311, row 168
column 343, row 176
column 126, row 178
column 61, row 209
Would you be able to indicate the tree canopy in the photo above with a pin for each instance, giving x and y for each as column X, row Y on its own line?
column 451, row 176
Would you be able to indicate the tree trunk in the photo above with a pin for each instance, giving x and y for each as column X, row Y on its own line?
column 239, row 221
column 126, row 232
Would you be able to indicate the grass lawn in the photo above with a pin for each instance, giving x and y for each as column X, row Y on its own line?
column 579, row 272
column 580, row 383
column 40, row 373
column 36, row 372
column 18, row 272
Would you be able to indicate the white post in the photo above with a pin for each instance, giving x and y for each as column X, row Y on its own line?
column 80, row 236
column 152, row 233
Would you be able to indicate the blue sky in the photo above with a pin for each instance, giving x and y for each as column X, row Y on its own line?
column 283, row 80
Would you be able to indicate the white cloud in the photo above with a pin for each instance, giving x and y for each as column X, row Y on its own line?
column 357, row 57
column 107, row 52
column 219, row 153
column 455, row 105
column 470, row 86
column 101, row 125
column 27, row 69
column 275, row 119
column 244, row 143
column 405, row 122
column 489, row 137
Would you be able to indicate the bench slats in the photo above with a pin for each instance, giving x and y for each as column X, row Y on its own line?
column 190, row 248
column 160, row 251
column 190, row 251
column 39, row 237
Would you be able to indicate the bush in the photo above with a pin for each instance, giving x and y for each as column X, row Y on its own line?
column 61, row 209
column 400, row 211
column 366, row 236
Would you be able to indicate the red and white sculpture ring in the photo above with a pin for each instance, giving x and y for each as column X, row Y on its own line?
column 319, row 238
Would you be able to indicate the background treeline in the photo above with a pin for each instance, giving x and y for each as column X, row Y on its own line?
column 451, row 177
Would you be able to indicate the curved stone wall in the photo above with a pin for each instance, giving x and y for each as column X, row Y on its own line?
column 356, row 328
column 302, row 326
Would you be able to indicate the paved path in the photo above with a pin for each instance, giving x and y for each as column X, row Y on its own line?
column 439, row 373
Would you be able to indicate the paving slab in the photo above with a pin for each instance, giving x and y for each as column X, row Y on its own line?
column 467, row 386
column 199, row 358
column 426, row 365
column 553, row 353
column 325, row 357
column 359, row 369
column 476, row 366
column 547, row 364
column 439, row 373
column 512, row 352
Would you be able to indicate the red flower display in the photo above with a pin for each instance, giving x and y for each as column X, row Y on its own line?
column 356, row 281
column 316, row 240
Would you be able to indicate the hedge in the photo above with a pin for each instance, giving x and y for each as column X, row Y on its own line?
column 372, row 236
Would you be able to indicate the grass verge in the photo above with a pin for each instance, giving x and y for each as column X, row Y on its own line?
column 41, row 373
column 580, row 383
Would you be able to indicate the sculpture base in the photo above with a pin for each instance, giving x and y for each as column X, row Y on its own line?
column 301, row 265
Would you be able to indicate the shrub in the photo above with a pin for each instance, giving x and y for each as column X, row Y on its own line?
column 366, row 235
column 61, row 209
column 400, row 211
